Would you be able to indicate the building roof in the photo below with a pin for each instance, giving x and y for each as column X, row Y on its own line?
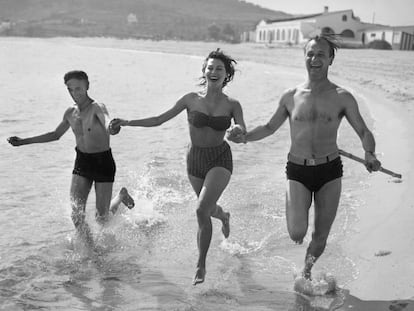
column 299, row 17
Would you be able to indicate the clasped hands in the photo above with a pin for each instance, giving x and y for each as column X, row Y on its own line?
column 236, row 134
column 115, row 125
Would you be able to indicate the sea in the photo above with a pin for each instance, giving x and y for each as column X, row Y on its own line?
column 145, row 258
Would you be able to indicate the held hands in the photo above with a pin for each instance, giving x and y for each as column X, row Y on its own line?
column 371, row 162
column 236, row 134
column 115, row 125
column 15, row 141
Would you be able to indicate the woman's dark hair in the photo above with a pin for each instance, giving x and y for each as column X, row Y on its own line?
column 228, row 65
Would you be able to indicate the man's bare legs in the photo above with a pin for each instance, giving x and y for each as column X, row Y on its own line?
column 212, row 188
column 79, row 191
column 104, row 204
column 122, row 197
column 326, row 206
column 298, row 202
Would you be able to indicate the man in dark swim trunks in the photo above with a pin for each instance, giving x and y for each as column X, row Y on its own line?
column 94, row 162
column 314, row 169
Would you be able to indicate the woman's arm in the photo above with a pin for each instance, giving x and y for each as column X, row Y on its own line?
column 180, row 105
column 238, row 115
column 237, row 133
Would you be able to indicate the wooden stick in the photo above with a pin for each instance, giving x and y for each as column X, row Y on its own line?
column 358, row 159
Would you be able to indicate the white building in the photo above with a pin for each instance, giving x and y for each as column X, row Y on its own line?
column 298, row 29
column 352, row 31
column 400, row 38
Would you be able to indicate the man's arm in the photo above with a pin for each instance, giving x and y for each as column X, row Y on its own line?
column 278, row 118
column 103, row 115
column 43, row 138
column 355, row 119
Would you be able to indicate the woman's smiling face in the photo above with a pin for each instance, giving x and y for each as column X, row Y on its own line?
column 215, row 72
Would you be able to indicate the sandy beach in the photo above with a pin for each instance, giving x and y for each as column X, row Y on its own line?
column 382, row 243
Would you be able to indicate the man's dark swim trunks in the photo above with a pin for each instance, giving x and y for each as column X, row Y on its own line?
column 202, row 159
column 99, row 167
column 314, row 176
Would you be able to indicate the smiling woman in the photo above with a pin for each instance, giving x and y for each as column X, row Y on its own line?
column 209, row 157
column 224, row 64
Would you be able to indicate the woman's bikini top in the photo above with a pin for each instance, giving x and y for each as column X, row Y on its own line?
column 200, row 119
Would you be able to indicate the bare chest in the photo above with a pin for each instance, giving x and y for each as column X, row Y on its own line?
column 83, row 122
column 309, row 108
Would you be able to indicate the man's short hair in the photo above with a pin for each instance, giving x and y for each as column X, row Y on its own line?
column 76, row 74
column 331, row 39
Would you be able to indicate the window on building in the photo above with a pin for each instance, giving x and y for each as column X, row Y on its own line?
column 347, row 33
column 283, row 35
column 344, row 18
column 373, row 35
column 278, row 35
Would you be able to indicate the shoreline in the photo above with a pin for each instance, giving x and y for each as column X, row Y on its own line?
column 381, row 244
column 384, row 221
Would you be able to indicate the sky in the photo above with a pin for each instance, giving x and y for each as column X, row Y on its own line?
column 386, row 12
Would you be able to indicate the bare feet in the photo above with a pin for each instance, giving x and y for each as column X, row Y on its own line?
column 200, row 275
column 307, row 274
column 126, row 198
column 122, row 197
column 101, row 219
column 309, row 262
column 226, row 225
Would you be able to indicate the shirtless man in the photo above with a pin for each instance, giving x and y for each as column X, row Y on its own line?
column 314, row 169
column 94, row 162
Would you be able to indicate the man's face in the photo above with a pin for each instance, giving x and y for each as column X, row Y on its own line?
column 317, row 58
column 78, row 90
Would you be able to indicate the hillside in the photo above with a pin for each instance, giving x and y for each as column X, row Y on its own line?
column 156, row 19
